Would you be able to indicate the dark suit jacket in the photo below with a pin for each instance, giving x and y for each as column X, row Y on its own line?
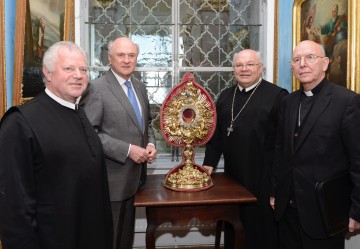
column 327, row 145
column 112, row 115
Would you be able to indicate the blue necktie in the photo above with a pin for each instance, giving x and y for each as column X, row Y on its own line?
column 132, row 99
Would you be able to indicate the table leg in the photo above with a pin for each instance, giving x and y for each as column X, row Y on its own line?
column 232, row 216
column 239, row 235
column 152, row 224
column 150, row 236
column 219, row 228
column 206, row 214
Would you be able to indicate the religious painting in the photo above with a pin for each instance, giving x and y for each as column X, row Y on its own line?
column 2, row 62
column 332, row 24
column 40, row 23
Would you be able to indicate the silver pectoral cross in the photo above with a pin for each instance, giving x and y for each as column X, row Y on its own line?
column 230, row 129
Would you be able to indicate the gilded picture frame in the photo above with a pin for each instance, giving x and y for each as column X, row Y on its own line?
column 40, row 23
column 2, row 63
column 331, row 23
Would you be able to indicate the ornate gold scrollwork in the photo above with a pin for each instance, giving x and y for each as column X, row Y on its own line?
column 188, row 118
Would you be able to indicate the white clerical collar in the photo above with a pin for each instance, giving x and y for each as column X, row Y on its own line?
column 250, row 87
column 119, row 78
column 61, row 101
column 308, row 93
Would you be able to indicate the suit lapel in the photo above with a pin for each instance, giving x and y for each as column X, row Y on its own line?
column 119, row 93
column 321, row 102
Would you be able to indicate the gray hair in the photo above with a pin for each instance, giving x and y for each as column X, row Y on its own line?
column 111, row 43
column 258, row 55
column 52, row 53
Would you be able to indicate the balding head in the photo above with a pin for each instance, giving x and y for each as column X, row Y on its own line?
column 309, row 64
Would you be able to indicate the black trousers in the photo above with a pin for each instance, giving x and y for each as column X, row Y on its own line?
column 292, row 236
column 124, row 223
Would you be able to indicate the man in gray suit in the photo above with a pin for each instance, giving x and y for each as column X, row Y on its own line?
column 118, row 108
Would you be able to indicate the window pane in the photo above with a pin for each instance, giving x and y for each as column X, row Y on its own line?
column 198, row 36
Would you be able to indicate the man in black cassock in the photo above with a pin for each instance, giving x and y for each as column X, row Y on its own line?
column 317, row 142
column 245, row 136
column 53, row 183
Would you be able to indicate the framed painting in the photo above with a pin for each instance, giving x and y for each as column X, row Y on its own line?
column 333, row 24
column 2, row 62
column 40, row 23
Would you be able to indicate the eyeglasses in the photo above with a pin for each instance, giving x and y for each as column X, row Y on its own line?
column 248, row 66
column 310, row 58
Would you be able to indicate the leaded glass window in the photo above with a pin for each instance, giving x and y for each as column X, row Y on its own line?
column 174, row 37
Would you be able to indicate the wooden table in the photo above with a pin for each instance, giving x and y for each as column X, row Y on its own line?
column 216, row 204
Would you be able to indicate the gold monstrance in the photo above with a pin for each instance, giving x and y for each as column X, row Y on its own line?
column 188, row 118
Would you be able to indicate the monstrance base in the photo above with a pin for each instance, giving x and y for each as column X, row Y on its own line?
column 185, row 178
